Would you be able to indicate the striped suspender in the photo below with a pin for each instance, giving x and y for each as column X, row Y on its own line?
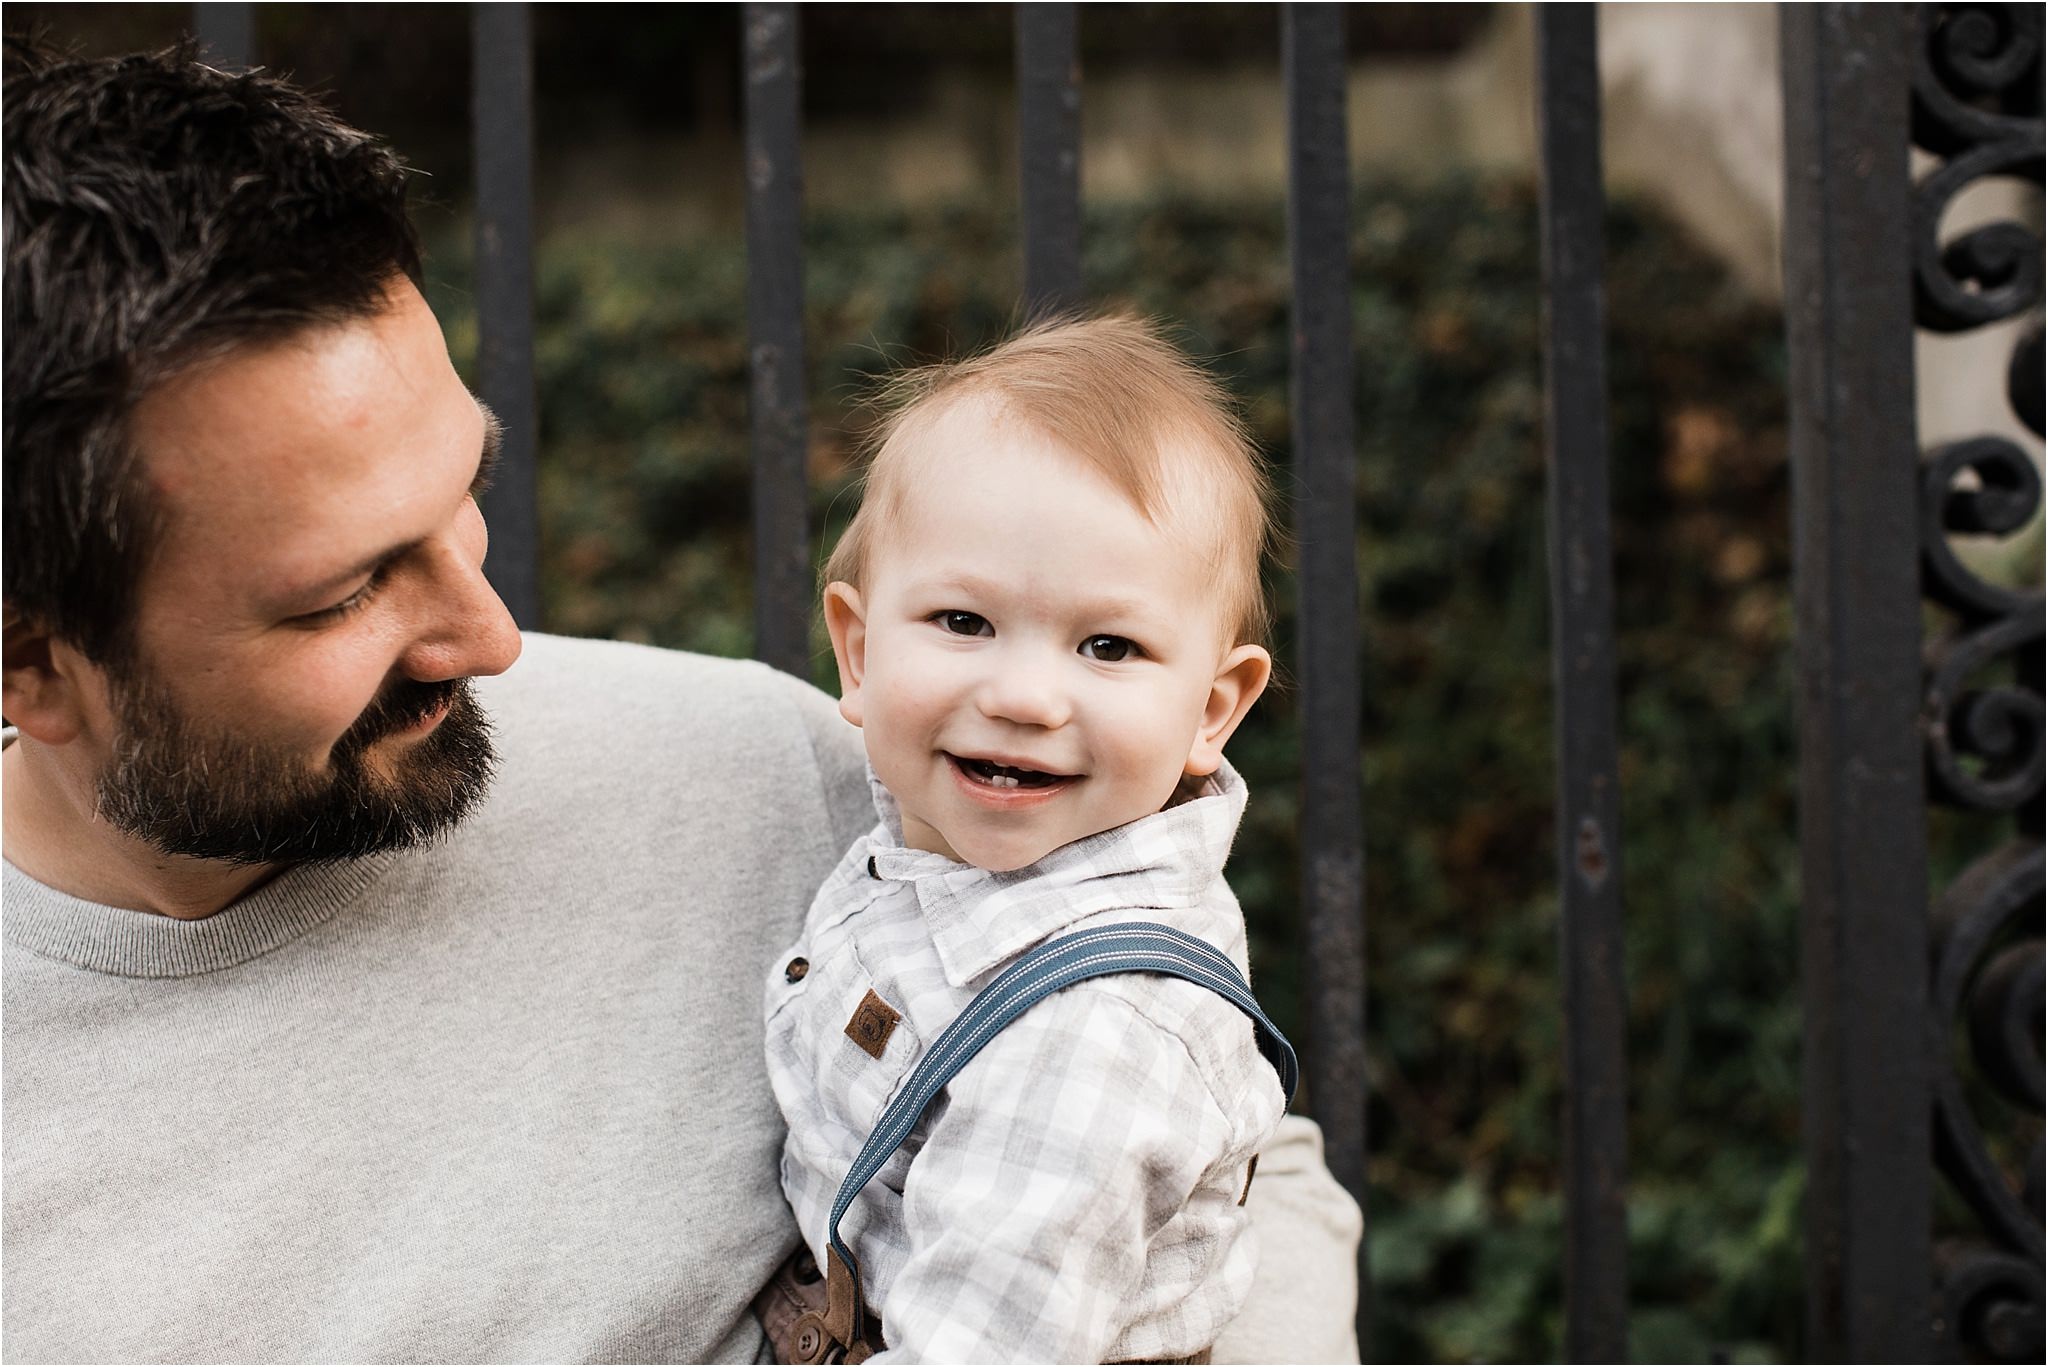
column 1129, row 947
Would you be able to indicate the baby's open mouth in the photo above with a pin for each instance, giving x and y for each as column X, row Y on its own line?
column 993, row 775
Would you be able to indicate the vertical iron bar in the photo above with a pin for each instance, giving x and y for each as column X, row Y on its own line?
column 775, row 331
column 227, row 33
column 1326, row 524
column 1582, row 662
column 1863, row 849
column 1049, row 156
column 502, row 48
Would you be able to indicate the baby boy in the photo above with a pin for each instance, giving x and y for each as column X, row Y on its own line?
column 1047, row 617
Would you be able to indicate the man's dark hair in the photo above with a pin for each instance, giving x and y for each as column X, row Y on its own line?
column 158, row 211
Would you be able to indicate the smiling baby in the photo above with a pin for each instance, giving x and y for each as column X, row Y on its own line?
column 1048, row 620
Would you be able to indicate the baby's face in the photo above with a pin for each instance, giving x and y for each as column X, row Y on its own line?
column 1032, row 661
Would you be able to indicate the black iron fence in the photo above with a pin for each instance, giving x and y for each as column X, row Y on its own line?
column 1889, row 721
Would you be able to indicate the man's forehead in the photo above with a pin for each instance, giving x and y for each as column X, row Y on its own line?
column 297, row 451
column 273, row 398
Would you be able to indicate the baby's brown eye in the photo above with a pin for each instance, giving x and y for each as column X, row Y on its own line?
column 964, row 623
column 1108, row 649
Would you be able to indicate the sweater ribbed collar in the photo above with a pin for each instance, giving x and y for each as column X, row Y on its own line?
column 141, row 944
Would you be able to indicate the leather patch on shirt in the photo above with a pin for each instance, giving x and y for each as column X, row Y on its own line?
column 874, row 1020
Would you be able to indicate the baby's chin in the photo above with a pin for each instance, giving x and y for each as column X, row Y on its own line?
column 1001, row 856
column 1007, row 854
column 998, row 851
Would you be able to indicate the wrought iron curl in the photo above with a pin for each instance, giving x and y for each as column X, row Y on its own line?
column 1999, row 727
column 1990, row 1300
column 1996, row 986
column 2007, row 493
column 2003, row 1007
column 1969, row 74
column 1977, row 104
column 1991, row 1295
column 2024, row 380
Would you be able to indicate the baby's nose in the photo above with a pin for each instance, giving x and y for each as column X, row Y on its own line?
column 1025, row 695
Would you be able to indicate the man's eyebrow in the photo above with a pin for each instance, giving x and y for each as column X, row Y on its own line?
column 486, row 466
column 493, row 450
column 367, row 565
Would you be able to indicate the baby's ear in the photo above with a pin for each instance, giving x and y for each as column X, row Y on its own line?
column 846, row 619
column 1239, row 680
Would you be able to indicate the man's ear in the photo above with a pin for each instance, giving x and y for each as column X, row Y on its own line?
column 40, row 681
column 1239, row 680
column 846, row 620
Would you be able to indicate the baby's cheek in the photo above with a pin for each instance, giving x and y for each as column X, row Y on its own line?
column 1156, row 752
column 898, row 702
column 1130, row 756
column 907, row 680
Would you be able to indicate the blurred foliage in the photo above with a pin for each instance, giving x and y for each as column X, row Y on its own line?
column 645, row 497
column 402, row 69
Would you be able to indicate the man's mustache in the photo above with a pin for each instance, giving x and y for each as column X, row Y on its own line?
column 403, row 704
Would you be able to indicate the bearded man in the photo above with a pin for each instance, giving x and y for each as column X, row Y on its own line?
column 361, row 1003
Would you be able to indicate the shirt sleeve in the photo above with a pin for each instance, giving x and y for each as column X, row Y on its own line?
column 1050, row 1164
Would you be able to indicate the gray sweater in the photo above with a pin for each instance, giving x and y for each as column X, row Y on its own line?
column 500, row 1099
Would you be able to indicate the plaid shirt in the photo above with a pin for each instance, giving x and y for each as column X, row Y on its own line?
column 1072, row 1196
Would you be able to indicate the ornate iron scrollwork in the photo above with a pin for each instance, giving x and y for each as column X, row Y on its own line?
column 1977, row 104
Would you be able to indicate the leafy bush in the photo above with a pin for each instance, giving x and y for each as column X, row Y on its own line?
column 645, row 495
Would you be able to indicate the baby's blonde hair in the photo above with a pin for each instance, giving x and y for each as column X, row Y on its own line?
column 1114, row 392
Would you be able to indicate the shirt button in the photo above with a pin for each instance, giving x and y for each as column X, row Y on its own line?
column 797, row 968
column 871, row 868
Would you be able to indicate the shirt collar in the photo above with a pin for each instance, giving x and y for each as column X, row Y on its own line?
column 979, row 920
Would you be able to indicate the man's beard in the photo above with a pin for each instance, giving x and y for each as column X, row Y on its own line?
column 211, row 794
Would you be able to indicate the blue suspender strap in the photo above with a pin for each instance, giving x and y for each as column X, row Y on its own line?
column 1128, row 947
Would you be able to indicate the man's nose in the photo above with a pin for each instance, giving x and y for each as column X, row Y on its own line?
column 466, row 629
column 1026, row 691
